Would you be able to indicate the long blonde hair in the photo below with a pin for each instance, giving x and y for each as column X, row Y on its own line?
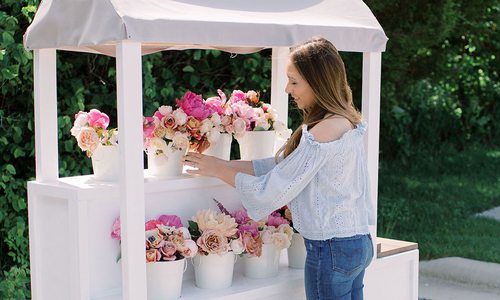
column 321, row 66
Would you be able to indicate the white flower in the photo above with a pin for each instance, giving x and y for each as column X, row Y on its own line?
column 215, row 119
column 281, row 240
column 193, row 248
column 213, row 136
column 239, row 126
column 81, row 120
column 286, row 229
column 180, row 117
column 262, row 123
column 267, row 237
column 237, row 246
column 206, row 126
column 259, row 112
column 185, row 233
column 180, row 140
column 165, row 110
column 158, row 144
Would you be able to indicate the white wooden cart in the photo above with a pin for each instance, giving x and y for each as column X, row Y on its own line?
column 71, row 253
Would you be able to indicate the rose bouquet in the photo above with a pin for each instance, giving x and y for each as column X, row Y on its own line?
column 215, row 233
column 90, row 131
column 166, row 239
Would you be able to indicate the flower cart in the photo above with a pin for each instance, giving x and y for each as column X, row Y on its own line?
column 72, row 255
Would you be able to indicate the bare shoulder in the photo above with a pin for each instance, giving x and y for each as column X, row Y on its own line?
column 330, row 129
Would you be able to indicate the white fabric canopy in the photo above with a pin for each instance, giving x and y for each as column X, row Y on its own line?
column 239, row 26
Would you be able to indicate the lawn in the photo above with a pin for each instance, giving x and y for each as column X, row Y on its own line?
column 433, row 201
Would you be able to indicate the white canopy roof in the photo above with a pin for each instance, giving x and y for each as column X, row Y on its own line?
column 239, row 26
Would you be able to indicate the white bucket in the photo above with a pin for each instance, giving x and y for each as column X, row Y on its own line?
column 265, row 266
column 214, row 271
column 222, row 148
column 165, row 164
column 105, row 163
column 257, row 144
column 297, row 252
column 164, row 279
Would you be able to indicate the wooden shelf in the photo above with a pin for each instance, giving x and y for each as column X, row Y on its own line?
column 386, row 247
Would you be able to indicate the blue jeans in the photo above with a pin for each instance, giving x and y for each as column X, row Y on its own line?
column 335, row 268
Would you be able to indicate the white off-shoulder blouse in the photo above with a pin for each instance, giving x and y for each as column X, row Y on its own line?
column 325, row 185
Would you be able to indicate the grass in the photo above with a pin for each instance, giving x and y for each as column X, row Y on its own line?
column 433, row 201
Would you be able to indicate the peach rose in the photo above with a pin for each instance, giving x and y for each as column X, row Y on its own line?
column 253, row 246
column 88, row 140
column 213, row 242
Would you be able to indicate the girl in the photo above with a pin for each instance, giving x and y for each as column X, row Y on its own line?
column 320, row 173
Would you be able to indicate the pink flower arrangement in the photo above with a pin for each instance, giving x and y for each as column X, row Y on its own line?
column 90, row 131
column 245, row 112
column 166, row 239
column 215, row 233
column 194, row 125
column 274, row 230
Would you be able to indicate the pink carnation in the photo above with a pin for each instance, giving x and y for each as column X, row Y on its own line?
column 98, row 119
column 193, row 105
column 170, row 220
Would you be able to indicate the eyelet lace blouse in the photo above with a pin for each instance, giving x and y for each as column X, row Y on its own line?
column 324, row 184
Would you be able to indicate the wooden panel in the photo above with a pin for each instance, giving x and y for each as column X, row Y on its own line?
column 386, row 247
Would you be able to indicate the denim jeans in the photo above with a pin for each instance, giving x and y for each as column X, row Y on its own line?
column 335, row 268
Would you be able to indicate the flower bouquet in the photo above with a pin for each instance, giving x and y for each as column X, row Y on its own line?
column 297, row 250
column 262, row 241
column 216, row 237
column 168, row 243
column 253, row 123
column 99, row 143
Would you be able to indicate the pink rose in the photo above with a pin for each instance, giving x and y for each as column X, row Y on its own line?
column 98, row 119
column 193, row 105
column 170, row 220
column 169, row 121
column 212, row 241
column 168, row 250
column 116, row 230
column 80, row 113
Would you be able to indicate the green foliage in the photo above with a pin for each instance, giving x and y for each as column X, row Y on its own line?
column 440, row 90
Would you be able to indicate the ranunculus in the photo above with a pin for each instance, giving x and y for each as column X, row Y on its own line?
column 237, row 246
column 253, row 245
column 97, row 119
column 213, row 242
column 193, row 105
column 88, row 140
column 116, row 230
column 170, row 220
column 281, row 240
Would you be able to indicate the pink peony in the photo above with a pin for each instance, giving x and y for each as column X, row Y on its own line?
column 215, row 104
column 237, row 96
column 276, row 221
column 241, row 216
column 193, row 105
column 98, row 119
column 170, row 220
column 250, row 227
column 116, row 230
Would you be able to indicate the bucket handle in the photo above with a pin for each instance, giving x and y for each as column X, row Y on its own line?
column 185, row 265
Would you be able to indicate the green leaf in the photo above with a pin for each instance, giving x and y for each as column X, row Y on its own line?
column 10, row 168
column 188, row 69
column 18, row 152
